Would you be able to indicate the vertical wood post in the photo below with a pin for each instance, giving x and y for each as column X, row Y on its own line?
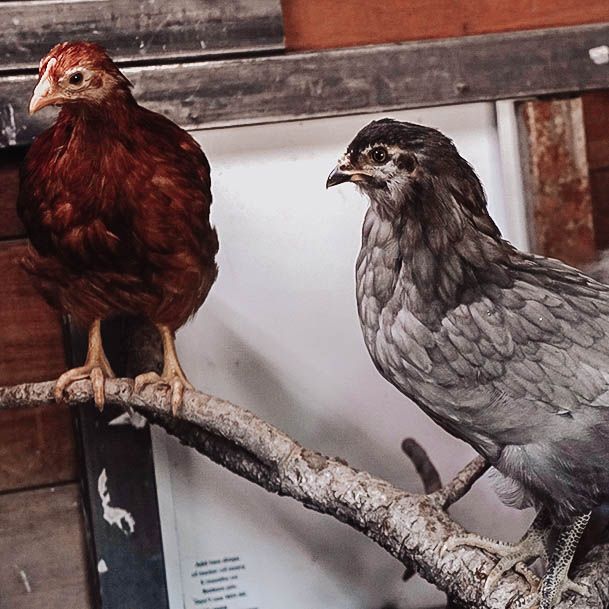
column 556, row 179
column 128, row 568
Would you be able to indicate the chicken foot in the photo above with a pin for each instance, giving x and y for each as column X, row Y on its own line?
column 173, row 376
column 532, row 546
column 556, row 579
column 96, row 368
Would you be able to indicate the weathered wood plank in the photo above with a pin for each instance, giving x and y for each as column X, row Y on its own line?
column 10, row 159
column 599, row 185
column 596, row 121
column 31, row 341
column 42, row 551
column 596, row 117
column 36, row 448
column 326, row 83
column 314, row 24
column 557, row 184
column 139, row 30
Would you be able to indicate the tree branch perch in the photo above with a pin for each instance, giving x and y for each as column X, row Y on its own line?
column 412, row 528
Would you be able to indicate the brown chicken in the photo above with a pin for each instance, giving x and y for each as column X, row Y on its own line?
column 116, row 200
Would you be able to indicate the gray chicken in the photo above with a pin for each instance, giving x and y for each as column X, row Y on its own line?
column 506, row 350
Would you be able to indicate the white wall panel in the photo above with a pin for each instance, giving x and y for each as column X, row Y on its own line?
column 279, row 334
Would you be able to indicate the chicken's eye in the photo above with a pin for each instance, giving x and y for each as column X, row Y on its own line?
column 76, row 78
column 379, row 155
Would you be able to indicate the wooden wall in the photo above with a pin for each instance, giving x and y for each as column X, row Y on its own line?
column 556, row 179
column 42, row 550
column 318, row 24
column 565, row 149
column 596, row 120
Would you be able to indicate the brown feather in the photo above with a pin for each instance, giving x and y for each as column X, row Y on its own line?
column 116, row 201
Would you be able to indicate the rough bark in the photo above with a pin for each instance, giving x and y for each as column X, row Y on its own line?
column 412, row 528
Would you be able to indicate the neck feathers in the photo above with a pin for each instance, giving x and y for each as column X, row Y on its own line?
column 442, row 246
column 114, row 111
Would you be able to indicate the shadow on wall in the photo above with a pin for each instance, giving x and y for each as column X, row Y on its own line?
column 254, row 382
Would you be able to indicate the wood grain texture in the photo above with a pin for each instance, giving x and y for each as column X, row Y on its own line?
column 36, row 448
column 319, row 24
column 31, row 341
column 599, row 186
column 596, row 119
column 327, row 83
column 557, row 184
column 139, row 30
column 42, row 543
column 10, row 160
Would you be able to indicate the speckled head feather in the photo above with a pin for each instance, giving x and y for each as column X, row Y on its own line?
column 408, row 136
column 423, row 169
column 73, row 54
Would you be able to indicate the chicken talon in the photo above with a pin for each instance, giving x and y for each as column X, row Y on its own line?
column 96, row 368
column 177, row 394
column 143, row 380
column 516, row 557
column 67, row 378
column 99, row 394
column 571, row 586
column 530, row 577
column 529, row 601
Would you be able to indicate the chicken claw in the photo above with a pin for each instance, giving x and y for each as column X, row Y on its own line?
column 96, row 369
column 97, row 374
column 172, row 376
column 175, row 380
column 514, row 557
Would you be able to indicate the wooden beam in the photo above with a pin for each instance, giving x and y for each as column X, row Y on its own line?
column 557, row 184
column 348, row 81
column 139, row 30
column 42, row 550
column 317, row 24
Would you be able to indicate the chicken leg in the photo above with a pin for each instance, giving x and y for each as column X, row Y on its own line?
column 173, row 376
column 532, row 546
column 556, row 579
column 96, row 368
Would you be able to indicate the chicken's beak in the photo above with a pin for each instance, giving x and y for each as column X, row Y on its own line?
column 43, row 93
column 337, row 177
column 344, row 172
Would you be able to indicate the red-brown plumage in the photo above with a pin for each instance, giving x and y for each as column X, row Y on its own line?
column 116, row 202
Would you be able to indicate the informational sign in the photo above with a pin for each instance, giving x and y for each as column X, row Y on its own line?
column 220, row 583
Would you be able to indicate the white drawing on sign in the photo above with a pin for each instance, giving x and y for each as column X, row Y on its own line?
column 130, row 418
column 114, row 515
